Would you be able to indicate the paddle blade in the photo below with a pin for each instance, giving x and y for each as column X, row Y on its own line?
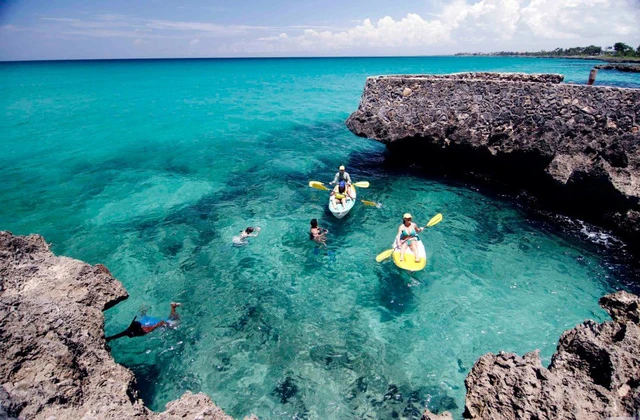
column 362, row 184
column 384, row 255
column 369, row 203
column 435, row 220
column 318, row 185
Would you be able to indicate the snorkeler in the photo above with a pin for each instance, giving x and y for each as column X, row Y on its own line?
column 247, row 233
column 148, row 324
column 317, row 233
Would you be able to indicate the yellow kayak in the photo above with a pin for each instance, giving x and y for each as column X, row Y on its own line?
column 409, row 262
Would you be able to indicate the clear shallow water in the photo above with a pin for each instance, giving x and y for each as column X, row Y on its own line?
column 151, row 167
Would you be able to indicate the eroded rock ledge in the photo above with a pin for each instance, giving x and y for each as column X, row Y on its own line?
column 576, row 148
column 53, row 361
column 594, row 374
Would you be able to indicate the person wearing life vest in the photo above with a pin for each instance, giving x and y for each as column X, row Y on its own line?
column 340, row 194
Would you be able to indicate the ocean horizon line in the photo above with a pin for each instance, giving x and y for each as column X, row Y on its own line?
column 260, row 58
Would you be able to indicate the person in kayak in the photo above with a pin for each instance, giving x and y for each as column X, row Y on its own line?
column 342, row 175
column 249, row 232
column 318, row 234
column 408, row 236
column 340, row 194
column 148, row 324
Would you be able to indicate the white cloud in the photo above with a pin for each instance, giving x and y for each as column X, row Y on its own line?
column 486, row 24
column 573, row 19
column 201, row 27
column 457, row 26
column 59, row 19
column 121, row 26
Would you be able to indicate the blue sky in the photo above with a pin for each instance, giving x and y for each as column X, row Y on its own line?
column 68, row 29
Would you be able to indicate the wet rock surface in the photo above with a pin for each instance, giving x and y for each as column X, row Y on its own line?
column 575, row 148
column 594, row 374
column 53, row 360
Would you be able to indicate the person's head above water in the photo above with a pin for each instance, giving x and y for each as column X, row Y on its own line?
column 249, row 229
column 341, row 168
column 406, row 219
column 314, row 223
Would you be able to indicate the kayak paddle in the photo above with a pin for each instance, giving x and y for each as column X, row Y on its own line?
column 386, row 254
column 362, row 184
column 318, row 185
column 369, row 203
column 435, row 220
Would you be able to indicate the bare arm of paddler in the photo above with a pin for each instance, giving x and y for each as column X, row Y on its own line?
column 335, row 179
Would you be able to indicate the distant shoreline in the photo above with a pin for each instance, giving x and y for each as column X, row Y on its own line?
column 608, row 59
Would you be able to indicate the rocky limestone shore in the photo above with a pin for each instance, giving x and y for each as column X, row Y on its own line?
column 594, row 374
column 628, row 68
column 575, row 148
column 53, row 360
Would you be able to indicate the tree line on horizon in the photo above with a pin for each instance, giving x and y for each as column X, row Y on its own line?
column 619, row 49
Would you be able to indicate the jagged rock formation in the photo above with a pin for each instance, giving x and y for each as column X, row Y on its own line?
column 594, row 374
column 576, row 148
column 629, row 68
column 53, row 360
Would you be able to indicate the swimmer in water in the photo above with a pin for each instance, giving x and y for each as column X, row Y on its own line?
column 148, row 324
column 318, row 234
column 250, row 232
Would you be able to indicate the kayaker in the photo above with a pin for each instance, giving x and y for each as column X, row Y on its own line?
column 342, row 175
column 340, row 194
column 317, row 233
column 148, row 324
column 408, row 236
column 249, row 232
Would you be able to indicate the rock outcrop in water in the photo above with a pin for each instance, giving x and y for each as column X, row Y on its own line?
column 594, row 374
column 575, row 148
column 53, row 360
column 628, row 68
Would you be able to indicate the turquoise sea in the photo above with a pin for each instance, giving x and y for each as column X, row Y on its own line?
column 152, row 166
